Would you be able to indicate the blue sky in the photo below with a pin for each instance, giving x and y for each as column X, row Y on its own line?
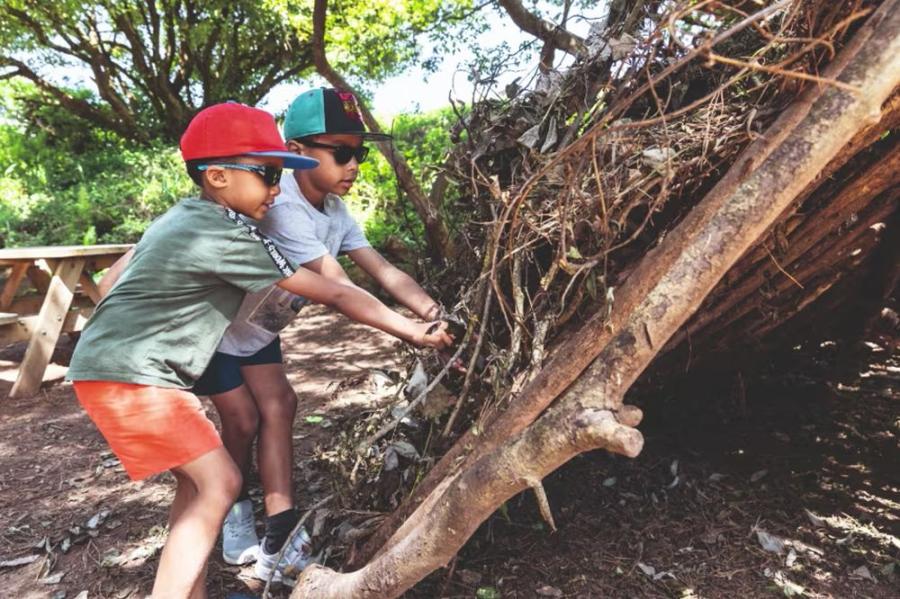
column 417, row 90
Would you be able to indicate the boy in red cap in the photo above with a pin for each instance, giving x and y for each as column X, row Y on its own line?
column 154, row 333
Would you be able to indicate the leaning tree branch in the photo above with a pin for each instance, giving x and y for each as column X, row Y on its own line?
column 438, row 237
column 695, row 256
column 550, row 33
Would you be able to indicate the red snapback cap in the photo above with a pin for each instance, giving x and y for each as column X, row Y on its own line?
column 233, row 129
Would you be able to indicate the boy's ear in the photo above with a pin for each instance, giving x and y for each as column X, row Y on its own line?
column 216, row 177
column 295, row 146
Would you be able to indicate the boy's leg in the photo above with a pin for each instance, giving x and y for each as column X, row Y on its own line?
column 207, row 487
column 185, row 491
column 238, row 413
column 240, row 422
column 277, row 405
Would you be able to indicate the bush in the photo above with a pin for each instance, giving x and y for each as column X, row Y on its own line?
column 376, row 199
column 65, row 183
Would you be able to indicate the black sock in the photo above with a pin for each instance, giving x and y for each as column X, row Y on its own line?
column 278, row 527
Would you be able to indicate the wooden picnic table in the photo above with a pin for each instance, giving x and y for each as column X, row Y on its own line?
column 63, row 298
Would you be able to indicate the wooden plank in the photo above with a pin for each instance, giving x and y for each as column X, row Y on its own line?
column 96, row 263
column 63, row 251
column 21, row 327
column 39, row 278
column 16, row 274
column 30, row 305
column 49, row 325
column 89, row 287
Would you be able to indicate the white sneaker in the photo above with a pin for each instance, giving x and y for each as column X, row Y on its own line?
column 296, row 557
column 239, row 541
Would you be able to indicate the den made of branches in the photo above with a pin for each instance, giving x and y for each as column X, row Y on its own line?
column 706, row 178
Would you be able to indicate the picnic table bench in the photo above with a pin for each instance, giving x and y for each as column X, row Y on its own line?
column 63, row 297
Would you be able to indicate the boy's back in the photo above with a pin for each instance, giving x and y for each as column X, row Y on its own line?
column 185, row 283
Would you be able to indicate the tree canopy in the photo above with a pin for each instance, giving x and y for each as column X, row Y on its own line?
column 154, row 64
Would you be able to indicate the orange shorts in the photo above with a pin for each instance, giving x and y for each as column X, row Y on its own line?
column 150, row 429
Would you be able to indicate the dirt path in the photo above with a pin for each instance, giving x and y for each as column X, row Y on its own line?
column 56, row 473
column 685, row 519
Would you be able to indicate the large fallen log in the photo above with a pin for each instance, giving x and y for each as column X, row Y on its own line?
column 580, row 347
column 526, row 442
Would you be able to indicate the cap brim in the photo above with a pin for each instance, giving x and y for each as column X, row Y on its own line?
column 290, row 159
column 368, row 136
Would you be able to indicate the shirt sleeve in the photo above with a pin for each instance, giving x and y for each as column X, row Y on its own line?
column 251, row 261
column 353, row 237
column 294, row 233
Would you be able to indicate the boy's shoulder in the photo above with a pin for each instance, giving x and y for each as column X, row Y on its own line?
column 199, row 226
column 335, row 205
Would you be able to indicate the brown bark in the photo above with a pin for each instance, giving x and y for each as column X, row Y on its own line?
column 574, row 355
column 551, row 34
column 695, row 256
column 735, row 297
column 467, row 500
column 440, row 246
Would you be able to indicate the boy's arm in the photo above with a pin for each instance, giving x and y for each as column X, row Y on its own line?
column 330, row 268
column 400, row 285
column 114, row 272
column 365, row 308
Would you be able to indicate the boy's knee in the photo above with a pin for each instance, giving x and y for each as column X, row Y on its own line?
column 247, row 423
column 232, row 481
column 281, row 408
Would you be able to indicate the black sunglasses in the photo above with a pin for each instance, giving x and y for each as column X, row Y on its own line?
column 342, row 153
column 271, row 175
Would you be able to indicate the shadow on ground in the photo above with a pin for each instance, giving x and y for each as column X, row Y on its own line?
column 810, row 469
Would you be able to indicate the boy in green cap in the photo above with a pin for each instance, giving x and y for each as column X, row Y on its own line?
column 246, row 379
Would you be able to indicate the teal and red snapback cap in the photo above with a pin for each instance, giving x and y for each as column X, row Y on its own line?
column 326, row 110
column 233, row 129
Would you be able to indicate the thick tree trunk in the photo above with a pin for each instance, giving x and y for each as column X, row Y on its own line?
column 693, row 258
column 440, row 246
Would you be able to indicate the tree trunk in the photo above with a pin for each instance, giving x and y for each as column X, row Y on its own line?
column 659, row 296
column 440, row 246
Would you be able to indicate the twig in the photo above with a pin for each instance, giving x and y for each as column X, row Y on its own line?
column 755, row 66
column 783, row 271
column 471, row 366
column 290, row 539
column 362, row 447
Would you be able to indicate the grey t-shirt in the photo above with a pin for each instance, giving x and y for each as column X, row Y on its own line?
column 304, row 234
column 164, row 317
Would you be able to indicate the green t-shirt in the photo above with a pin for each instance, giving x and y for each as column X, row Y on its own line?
column 164, row 317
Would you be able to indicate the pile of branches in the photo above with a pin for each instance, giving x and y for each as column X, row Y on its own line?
column 567, row 184
column 575, row 181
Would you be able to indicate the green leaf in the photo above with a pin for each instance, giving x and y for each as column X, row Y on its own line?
column 314, row 419
column 487, row 593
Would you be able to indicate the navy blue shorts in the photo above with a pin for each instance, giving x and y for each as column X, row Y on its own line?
column 224, row 370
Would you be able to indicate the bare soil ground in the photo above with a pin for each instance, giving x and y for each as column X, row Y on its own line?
column 793, row 491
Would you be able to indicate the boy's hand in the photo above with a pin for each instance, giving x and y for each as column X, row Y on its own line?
column 434, row 334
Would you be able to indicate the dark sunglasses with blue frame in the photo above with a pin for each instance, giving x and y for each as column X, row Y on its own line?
column 342, row 153
column 271, row 175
